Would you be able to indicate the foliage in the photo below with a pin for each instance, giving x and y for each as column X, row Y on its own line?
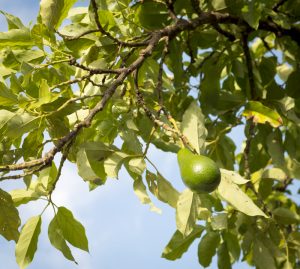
column 168, row 73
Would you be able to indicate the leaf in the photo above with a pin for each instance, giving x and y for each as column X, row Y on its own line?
column 113, row 163
column 223, row 257
column 9, row 217
column 137, row 165
column 21, row 123
column 21, row 196
column 207, row 248
column 284, row 70
column 57, row 239
column 71, row 229
column 233, row 245
column 7, row 98
column 48, row 176
column 186, row 211
column 276, row 149
column 218, row 4
column 141, row 192
column 219, row 222
column 53, row 12
column 235, row 177
column 27, row 243
column 151, row 15
column 193, row 127
column 274, row 173
column 232, row 194
column 262, row 114
column 292, row 84
column 90, row 161
column 12, row 21
column 262, row 257
column 162, row 189
column 252, row 13
column 285, row 216
column 16, row 38
column 179, row 244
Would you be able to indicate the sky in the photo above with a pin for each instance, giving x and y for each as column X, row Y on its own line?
column 122, row 232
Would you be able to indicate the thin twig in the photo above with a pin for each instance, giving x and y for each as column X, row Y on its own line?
column 102, row 30
column 70, row 38
column 95, row 70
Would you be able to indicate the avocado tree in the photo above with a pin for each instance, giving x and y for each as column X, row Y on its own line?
column 176, row 74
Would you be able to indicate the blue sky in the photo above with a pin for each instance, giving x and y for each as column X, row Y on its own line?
column 122, row 232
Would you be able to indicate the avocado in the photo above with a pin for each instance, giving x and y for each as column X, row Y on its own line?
column 199, row 173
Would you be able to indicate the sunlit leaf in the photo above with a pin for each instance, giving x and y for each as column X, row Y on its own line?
column 71, row 229
column 193, row 127
column 231, row 193
column 262, row 114
column 27, row 243
column 54, row 11
column 186, row 211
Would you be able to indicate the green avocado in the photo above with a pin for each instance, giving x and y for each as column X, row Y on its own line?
column 200, row 173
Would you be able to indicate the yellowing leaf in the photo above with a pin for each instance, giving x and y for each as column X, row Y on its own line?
column 262, row 114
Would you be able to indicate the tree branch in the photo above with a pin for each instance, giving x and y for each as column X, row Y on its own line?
column 102, row 30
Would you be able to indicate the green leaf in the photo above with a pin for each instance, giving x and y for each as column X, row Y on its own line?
column 9, row 217
column 274, row 173
column 276, row 149
column 58, row 240
column 234, row 176
column 193, row 127
column 284, row 71
column 21, row 123
column 48, row 176
column 53, row 12
column 16, row 38
column 285, row 216
column 252, row 13
column 186, row 211
column 218, row 4
column 179, row 244
column 141, row 192
column 7, row 98
column 21, row 196
column 152, row 15
column 262, row 257
column 162, row 188
column 90, row 161
column 233, row 246
column 207, row 248
column 223, row 257
column 262, row 114
column 12, row 21
column 113, row 163
column 27, row 243
column 71, row 229
column 292, row 85
column 219, row 222
column 231, row 193
column 137, row 165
